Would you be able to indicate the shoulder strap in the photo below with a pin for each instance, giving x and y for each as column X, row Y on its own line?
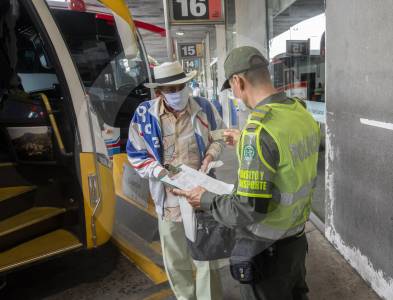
column 301, row 101
column 259, row 113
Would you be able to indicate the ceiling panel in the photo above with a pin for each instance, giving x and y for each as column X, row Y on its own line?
column 152, row 11
column 299, row 11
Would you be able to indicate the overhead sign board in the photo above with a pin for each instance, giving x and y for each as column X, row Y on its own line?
column 191, row 50
column 191, row 64
column 196, row 11
column 298, row 47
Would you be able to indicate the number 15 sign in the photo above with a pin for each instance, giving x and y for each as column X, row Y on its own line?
column 196, row 11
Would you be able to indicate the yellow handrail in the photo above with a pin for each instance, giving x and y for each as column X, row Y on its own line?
column 53, row 122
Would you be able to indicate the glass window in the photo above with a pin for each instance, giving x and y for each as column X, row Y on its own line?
column 114, row 83
column 34, row 74
column 297, row 56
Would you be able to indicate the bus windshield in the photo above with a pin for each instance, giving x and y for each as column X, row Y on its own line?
column 114, row 83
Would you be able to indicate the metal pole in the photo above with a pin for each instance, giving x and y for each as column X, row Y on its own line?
column 169, row 45
column 207, row 66
column 177, row 49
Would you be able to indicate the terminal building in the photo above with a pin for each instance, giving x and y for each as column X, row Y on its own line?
column 77, row 221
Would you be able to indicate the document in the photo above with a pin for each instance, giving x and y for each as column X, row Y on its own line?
column 187, row 179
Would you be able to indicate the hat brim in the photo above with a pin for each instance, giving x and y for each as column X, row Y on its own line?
column 189, row 76
column 225, row 86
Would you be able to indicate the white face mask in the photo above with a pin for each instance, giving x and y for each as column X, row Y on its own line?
column 178, row 101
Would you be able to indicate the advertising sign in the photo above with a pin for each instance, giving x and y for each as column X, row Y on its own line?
column 196, row 11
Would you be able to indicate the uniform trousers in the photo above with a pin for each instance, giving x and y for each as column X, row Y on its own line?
column 281, row 275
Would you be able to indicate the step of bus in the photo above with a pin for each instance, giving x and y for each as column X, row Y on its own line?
column 14, row 174
column 15, row 199
column 29, row 224
column 46, row 246
column 11, row 176
column 132, row 215
column 151, row 250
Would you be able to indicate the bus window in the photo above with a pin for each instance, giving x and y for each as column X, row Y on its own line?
column 114, row 83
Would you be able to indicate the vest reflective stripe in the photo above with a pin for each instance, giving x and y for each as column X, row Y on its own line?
column 267, row 232
column 289, row 199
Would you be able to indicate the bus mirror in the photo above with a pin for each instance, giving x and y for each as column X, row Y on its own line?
column 127, row 37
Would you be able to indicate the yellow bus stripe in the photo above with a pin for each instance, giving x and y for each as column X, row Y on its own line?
column 146, row 265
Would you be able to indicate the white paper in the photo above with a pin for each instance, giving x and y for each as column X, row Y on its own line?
column 187, row 179
column 190, row 178
column 189, row 219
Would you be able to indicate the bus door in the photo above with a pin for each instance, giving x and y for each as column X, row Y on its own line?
column 92, row 163
column 113, row 73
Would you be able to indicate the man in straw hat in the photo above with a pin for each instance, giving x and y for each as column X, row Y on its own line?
column 173, row 129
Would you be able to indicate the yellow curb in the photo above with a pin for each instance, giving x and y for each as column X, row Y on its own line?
column 160, row 295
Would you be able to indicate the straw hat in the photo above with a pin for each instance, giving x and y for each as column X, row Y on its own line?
column 170, row 73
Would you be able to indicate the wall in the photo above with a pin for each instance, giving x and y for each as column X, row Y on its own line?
column 359, row 217
column 251, row 24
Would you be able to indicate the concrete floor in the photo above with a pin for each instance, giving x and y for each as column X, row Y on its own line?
column 105, row 274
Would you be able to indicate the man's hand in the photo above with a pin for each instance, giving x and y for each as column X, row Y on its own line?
column 205, row 163
column 193, row 196
column 231, row 136
column 162, row 174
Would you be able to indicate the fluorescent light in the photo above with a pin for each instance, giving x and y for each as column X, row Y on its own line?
column 179, row 33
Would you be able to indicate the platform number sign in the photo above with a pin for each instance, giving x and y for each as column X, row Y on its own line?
column 188, row 50
column 298, row 47
column 191, row 50
column 192, row 9
column 196, row 11
column 190, row 65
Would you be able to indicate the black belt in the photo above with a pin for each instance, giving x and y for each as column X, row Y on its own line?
column 290, row 239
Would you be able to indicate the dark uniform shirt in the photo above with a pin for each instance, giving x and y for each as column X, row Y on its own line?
column 239, row 211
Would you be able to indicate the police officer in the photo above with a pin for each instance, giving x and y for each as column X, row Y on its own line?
column 278, row 154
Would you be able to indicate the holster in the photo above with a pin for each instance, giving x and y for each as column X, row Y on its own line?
column 248, row 259
column 244, row 271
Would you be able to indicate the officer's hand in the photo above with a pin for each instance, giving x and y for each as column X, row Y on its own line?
column 193, row 196
column 205, row 163
column 231, row 136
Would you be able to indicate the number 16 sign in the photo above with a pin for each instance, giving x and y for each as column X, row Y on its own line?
column 196, row 11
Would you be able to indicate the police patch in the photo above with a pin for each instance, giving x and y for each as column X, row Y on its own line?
column 248, row 152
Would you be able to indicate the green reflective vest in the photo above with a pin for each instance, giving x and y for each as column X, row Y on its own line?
column 297, row 136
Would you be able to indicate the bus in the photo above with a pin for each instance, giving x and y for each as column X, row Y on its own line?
column 72, row 75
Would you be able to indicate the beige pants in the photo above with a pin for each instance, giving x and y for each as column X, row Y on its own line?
column 179, row 266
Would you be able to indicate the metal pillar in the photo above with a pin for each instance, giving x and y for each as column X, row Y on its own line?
column 169, row 45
